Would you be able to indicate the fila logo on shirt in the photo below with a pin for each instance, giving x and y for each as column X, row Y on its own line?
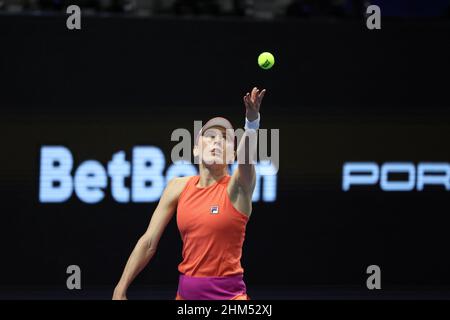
column 214, row 210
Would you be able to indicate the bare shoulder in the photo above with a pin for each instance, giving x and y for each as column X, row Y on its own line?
column 177, row 185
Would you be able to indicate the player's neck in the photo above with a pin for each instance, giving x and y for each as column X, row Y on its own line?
column 209, row 175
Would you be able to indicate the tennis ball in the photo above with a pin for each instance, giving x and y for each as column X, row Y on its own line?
column 266, row 60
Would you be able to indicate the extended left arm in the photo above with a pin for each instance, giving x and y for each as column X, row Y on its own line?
column 246, row 152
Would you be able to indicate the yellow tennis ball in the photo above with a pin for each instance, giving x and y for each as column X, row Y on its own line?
column 266, row 60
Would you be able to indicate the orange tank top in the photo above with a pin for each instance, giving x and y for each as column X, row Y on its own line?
column 212, row 230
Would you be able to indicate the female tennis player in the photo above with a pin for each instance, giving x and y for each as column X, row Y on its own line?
column 212, row 208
